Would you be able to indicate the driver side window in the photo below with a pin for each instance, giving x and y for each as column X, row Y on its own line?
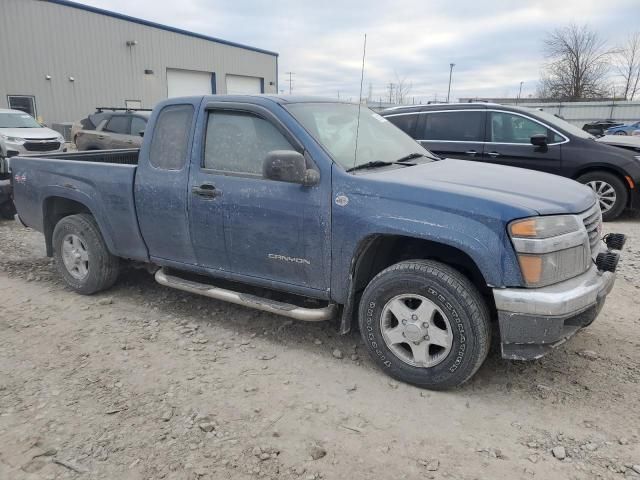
column 238, row 142
column 509, row 128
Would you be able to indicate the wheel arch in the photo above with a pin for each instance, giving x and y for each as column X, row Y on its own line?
column 377, row 252
column 55, row 208
column 613, row 170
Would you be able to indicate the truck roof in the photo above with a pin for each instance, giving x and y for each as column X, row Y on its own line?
column 281, row 99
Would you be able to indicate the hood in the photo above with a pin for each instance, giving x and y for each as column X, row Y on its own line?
column 31, row 133
column 486, row 183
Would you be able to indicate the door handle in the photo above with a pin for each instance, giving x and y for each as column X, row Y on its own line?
column 471, row 153
column 101, row 137
column 493, row 154
column 206, row 190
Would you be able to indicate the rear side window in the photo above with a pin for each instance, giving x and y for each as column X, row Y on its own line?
column 452, row 126
column 239, row 142
column 171, row 137
column 406, row 123
column 118, row 124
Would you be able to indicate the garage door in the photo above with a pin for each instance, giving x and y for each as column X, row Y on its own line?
column 181, row 83
column 239, row 85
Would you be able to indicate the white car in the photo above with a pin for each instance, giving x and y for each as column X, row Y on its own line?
column 20, row 133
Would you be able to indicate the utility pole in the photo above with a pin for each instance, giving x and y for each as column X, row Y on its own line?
column 451, row 65
column 391, row 85
column 519, row 93
column 291, row 74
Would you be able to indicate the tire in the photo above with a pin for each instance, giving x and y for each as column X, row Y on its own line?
column 7, row 210
column 421, row 285
column 95, row 268
column 607, row 182
column 620, row 132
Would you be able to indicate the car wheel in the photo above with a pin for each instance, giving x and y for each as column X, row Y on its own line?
column 610, row 190
column 7, row 210
column 81, row 255
column 620, row 132
column 424, row 323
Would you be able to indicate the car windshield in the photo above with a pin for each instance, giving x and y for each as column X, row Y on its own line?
column 563, row 124
column 18, row 120
column 334, row 126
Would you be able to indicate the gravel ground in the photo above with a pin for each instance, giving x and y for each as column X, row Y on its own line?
column 144, row 382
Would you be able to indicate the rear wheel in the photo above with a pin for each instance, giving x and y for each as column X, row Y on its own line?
column 610, row 190
column 425, row 324
column 82, row 257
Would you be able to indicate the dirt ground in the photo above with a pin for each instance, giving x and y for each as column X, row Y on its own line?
column 144, row 382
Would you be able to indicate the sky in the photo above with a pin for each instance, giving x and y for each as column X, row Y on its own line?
column 494, row 44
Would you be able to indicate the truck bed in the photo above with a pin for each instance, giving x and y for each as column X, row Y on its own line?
column 101, row 180
column 122, row 157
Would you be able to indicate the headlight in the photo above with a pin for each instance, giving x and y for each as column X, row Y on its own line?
column 12, row 139
column 60, row 139
column 550, row 249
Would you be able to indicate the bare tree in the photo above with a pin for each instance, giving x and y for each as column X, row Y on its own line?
column 578, row 63
column 627, row 64
column 401, row 90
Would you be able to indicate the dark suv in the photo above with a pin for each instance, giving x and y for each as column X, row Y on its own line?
column 111, row 128
column 527, row 138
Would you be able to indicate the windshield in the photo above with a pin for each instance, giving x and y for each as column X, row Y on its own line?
column 18, row 120
column 563, row 124
column 333, row 125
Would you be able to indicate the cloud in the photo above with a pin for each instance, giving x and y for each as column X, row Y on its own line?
column 495, row 44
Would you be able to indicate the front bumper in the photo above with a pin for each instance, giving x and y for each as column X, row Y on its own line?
column 535, row 320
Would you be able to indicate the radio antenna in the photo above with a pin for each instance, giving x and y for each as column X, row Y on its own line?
column 364, row 52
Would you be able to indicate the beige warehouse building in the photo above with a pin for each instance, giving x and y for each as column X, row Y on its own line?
column 59, row 60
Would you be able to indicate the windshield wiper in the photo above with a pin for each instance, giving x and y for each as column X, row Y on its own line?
column 376, row 164
column 412, row 156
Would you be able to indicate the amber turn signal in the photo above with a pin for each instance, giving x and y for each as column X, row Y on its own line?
column 524, row 228
column 531, row 267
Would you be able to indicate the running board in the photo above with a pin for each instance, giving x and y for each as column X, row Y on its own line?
column 247, row 300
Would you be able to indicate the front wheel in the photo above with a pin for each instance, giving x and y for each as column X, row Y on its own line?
column 81, row 255
column 424, row 323
column 611, row 192
column 620, row 132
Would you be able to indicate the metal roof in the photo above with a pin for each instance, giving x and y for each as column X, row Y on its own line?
column 160, row 26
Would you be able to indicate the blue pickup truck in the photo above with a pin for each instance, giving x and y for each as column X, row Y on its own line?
column 320, row 210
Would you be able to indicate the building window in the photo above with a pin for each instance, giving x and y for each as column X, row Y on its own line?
column 24, row 103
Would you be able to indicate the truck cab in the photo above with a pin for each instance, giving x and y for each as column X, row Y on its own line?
column 317, row 210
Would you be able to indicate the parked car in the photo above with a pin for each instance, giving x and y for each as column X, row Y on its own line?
column 317, row 209
column 598, row 127
column 631, row 143
column 527, row 138
column 623, row 129
column 110, row 129
column 20, row 133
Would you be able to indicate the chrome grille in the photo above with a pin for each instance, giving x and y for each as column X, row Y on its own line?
column 592, row 220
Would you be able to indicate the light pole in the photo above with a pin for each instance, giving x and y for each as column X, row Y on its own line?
column 519, row 93
column 451, row 65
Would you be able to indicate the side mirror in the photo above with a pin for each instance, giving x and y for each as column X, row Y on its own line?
column 288, row 166
column 539, row 140
column 141, row 133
